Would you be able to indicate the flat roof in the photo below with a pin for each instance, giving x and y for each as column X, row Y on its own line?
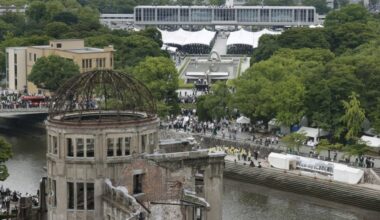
column 58, row 40
column 217, row 7
column 85, row 50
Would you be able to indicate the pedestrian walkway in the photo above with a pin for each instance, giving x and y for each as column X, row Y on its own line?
column 220, row 44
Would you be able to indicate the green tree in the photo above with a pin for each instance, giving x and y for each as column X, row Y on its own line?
column 324, row 144
column 161, row 77
column 294, row 140
column 375, row 115
column 289, row 100
column 347, row 14
column 66, row 17
column 50, row 72
column 36, row 11
column 320, row 5
column 5, row 154
column 216, row 103
column 56, row 29
column 353, row 117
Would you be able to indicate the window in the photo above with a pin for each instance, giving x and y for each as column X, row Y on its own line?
column 137, row 184
column 110, row 143
column 54, row 192
column 127, row 146
column 80, row 147
column 83, row 63
column 49, row 144
column 90, row 196
column 143, row 143
column 70, row 147
column 151, row 139
column 197, row 213
column 16, row 71
column 34, row 57
column 70, row 195
column 90, row 142
column 15, row 58
column 59, row 45
column 30, row 56
column 55, row 145
column 80, row 196
column 119, row 150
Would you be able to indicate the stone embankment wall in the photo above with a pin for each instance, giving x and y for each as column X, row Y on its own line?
column 338, row 192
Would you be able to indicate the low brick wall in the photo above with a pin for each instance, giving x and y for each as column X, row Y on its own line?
column 333, row 191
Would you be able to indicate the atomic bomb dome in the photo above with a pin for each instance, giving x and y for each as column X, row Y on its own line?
column 102, row 96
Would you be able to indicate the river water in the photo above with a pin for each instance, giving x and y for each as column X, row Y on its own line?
column 241, row 201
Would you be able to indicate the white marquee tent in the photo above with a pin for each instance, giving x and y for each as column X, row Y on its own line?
column 370, row 141
column 244, row 37
column 181, row 37
column 243, row 120
column 313, row 133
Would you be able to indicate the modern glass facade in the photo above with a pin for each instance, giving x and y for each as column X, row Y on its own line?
column 239, row 15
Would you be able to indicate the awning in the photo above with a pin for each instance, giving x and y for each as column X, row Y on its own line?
column 243, row 120
column 182, row 37
column 244, row 37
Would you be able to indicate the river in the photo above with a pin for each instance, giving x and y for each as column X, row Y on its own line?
column 241, row 201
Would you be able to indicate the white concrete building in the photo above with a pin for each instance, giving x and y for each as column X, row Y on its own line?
column 16, row 68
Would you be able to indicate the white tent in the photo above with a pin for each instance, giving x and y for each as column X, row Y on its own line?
column 248, row 38
column 243, row 120
column 241, row 37
column 370, row 141
column 182, row 37
column 313, row 133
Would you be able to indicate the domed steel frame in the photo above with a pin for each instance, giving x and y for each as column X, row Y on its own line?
column 102, row 95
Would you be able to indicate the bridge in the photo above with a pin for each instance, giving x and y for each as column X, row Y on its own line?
column 225, row 16
column 13, row 112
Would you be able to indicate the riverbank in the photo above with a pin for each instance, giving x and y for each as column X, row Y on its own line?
column 332, row 191
column 264, row 203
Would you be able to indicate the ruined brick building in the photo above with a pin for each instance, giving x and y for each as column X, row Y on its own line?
column 104, row 160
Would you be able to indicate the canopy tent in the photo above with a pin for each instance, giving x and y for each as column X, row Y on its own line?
column 313, row 134
column 181, row 37
column 169, row 48
column 316, row 26
column 370, row 141
column 245, row 38
column 243, row 120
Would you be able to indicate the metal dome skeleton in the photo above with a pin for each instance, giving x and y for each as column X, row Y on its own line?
column 102, row 95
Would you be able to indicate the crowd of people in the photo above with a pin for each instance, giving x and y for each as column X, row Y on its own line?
column 239, row 154
column 13, row 100
column 9, row 200
column 366, row 162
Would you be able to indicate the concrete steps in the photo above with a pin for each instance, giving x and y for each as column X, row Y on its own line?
column 332, row 191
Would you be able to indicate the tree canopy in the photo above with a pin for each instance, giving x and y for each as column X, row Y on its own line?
column 50, row 72
column 161, row 77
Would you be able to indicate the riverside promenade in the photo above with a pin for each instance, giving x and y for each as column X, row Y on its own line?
column 354, row 195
